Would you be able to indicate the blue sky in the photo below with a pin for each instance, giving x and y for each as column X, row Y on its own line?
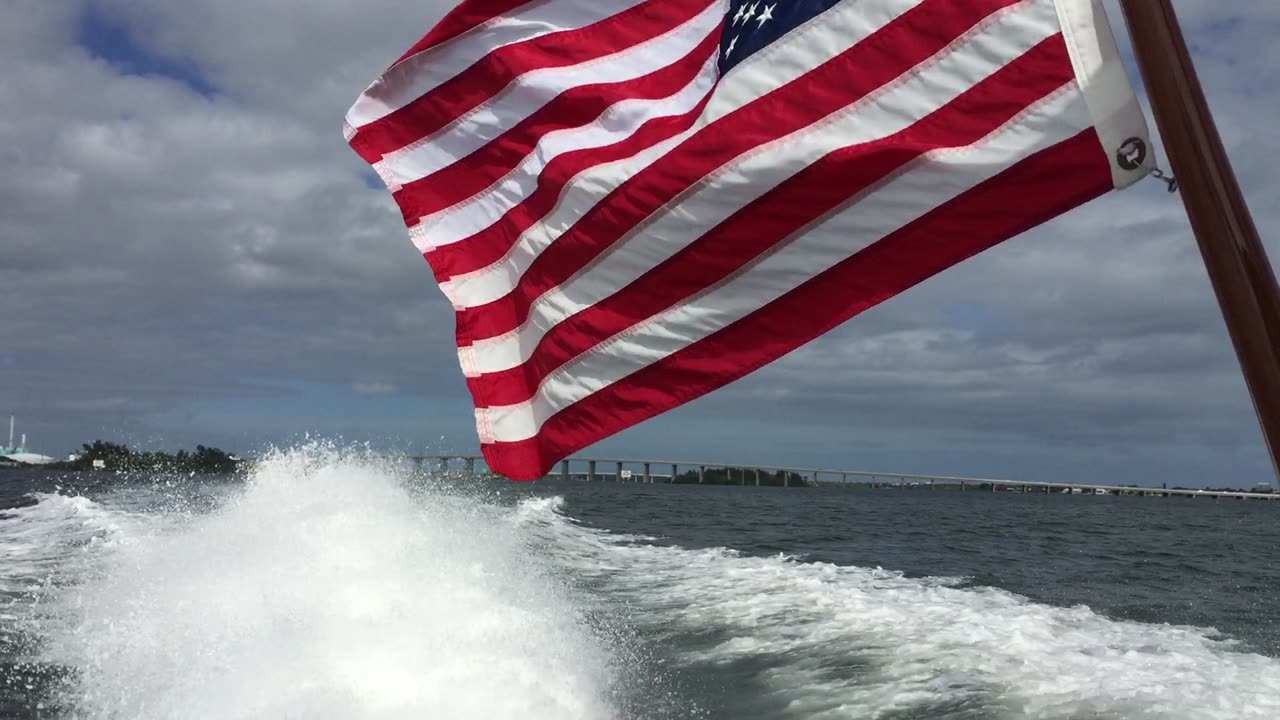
column 191, row 254
column 112, row 40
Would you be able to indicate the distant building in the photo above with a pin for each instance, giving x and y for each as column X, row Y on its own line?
column 1262, row 487
column 13, row 455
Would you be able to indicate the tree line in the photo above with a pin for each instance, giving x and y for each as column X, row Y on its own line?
column 114, row 456
column 737, row 476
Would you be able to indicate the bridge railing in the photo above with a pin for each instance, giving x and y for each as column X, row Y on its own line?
column 598, row 468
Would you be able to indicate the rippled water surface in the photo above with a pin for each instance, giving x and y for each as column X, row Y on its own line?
column 326, row 586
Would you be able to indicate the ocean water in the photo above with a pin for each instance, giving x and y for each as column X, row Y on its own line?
column 325, row 585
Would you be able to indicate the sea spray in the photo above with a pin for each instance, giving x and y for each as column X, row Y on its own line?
column 331, row 584
column 325, row 589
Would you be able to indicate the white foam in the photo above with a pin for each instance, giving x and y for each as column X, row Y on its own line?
column 858, row 642
column 324, row 590
column 39, row 542
column 328, row 587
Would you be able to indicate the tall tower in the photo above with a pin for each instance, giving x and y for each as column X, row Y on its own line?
column 10, row 445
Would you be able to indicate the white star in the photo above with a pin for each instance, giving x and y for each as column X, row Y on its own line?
column 729, row 49
column 738, row 18
column 767, row 15
column 751, row 12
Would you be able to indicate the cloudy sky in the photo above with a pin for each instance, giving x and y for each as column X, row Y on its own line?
column 189, row 253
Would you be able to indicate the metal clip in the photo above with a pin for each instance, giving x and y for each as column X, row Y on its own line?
column 1170, row 180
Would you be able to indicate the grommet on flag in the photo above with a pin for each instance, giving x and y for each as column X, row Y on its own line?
column 1132, row 154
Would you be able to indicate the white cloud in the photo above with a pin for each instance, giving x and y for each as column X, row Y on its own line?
column 161, row 247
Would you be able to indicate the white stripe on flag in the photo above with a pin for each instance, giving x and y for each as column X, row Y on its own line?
column 529, row 92
column 935, row 179
column 448, row 227
column 810, row 46
column 418, row 75
column 615, row 125
column 802, row 50
column 895, row 106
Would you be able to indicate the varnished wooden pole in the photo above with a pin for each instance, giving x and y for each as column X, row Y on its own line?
column 1233, row 254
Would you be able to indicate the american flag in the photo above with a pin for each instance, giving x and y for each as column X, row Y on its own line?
column 631, row 203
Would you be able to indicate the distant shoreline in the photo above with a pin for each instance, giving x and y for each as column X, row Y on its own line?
column 101, row 455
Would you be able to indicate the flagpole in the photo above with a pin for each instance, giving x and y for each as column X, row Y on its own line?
column 1233, row 254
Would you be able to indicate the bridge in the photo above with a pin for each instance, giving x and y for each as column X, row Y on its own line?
column 643, row 471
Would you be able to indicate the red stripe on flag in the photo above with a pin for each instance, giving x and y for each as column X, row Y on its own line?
column 1043, row 186
column 909, row 40
column 574, row 108
column 469, row 14
column 465, row 91
column 490, row 245
column 790, row 207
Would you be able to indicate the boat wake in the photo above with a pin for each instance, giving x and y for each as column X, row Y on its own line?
column 323, row 589
column 328, row 586
column 825, row 641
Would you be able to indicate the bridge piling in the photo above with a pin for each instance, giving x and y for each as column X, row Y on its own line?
column 444, row 465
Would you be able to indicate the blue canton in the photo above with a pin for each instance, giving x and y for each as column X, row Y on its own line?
column 752, row 25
